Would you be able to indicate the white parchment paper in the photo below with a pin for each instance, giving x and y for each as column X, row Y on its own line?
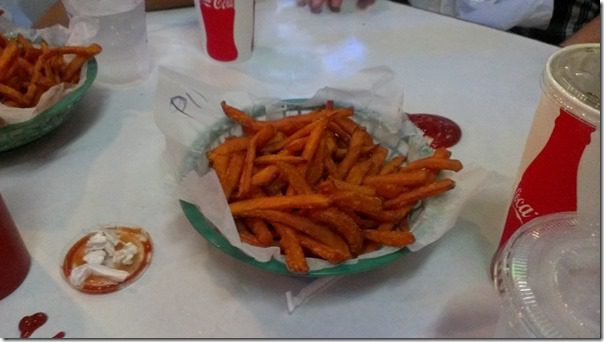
column 187, row 111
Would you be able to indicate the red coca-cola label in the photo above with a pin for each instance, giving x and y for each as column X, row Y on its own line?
column 219, row 23
column 549, row 183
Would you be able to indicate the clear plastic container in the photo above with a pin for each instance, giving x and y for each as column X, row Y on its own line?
column 548, row 277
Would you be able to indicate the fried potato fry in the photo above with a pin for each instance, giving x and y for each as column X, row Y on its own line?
column 402, row 179
column 294, row 255
column 309, row 201
column 392, row 165
column 353, row 152
column 434, row 163
column 233, row 173
column 274, row 158
column 265, row 176
column 317, row 231
column 420, row 193
column 390, row 238
column 343, row 224
column 356, row 201
column 260, row 230
column 331, row 185
column 257, row 141
column 321, row 250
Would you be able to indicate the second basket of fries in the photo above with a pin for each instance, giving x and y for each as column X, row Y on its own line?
column 40, row 85
column 316, row 189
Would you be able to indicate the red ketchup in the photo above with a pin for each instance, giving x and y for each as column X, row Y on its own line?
column 14, row 258
column 29, row 324
column 444, row 132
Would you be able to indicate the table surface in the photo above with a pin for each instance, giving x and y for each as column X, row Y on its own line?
column 107, row 164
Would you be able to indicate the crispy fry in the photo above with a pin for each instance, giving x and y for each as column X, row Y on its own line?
column 280, row 202
column 407, row 178
column 354, row 151
column 314, row 139
column 316, row 167
column 295, row 178
column 343, row 224
column 420, row 193
column 378, row 157
column 356, row 201
column 8, row 57
column 265, row 176
column 239, row 116
column 434, row 163
column 274, row 158
column 304, row 225
column 394, row 215
column 332, row 184
column 260, row 230
column 358, row 171
column 330, row 254
column 230, row 145
column 257, row 141
column 233, row 173
column 390, row 238
column 294, row 255
column 245, row 235
column 392, row 165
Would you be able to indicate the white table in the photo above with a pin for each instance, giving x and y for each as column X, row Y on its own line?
column 106, row 164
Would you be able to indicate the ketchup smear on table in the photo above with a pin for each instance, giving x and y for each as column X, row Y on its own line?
column 29, row 324
column 443, row 131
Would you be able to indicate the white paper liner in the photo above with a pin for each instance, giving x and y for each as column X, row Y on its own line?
column 55, row 36
column 187, row 111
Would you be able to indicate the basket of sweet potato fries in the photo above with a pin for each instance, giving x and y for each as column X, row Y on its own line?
column 28, row 70
column 317, row 185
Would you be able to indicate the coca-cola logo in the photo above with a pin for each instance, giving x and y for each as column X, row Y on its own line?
column 218, row 4
column 522, row 209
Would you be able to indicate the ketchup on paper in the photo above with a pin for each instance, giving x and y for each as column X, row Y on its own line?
column 444, row 132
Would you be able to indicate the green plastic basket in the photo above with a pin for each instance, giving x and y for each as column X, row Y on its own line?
column 196, row 161
column 19, row 134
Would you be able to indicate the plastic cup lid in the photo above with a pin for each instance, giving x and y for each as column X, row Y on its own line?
column 549, row 277
column 572, row 76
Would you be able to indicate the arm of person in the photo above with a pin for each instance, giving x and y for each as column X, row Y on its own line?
column 589, row 33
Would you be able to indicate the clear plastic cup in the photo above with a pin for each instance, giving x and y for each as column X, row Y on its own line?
column 120, row 28
column 548, row 278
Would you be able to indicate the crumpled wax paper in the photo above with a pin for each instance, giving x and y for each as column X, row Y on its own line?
column 55, row 36
column 188, row 112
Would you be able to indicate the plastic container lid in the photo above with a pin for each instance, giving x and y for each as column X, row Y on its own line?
column 572, row 77
column 548, row 276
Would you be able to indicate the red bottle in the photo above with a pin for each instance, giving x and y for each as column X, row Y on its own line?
column 14, row 258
